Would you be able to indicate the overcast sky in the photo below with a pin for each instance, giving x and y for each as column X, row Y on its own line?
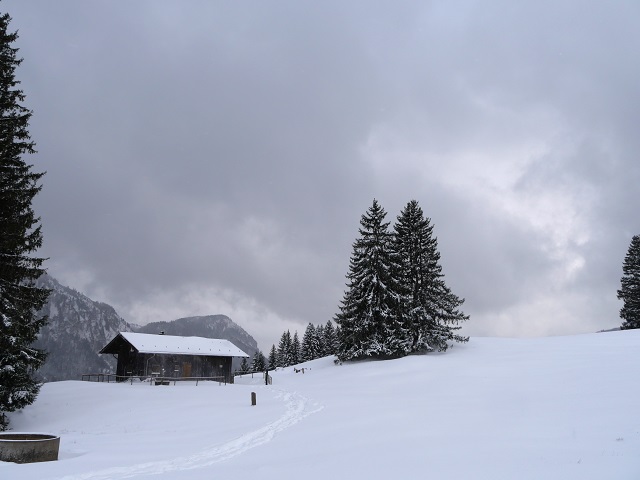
column 210, row 157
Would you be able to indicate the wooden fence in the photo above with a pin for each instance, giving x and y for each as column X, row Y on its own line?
column 153, row 379
column 240, row 373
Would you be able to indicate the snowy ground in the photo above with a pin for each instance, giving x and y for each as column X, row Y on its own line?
column 546, row 408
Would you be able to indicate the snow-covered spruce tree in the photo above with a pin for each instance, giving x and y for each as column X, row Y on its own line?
column 284, row 350
column 244, row 365
column 629, row 291
column 330, row 340
column 309, row 348
column 288, row 357
column 432, row 310
column 320, row 341
column 272, row 363
column 371, row 316
column 295, row 349
column 20, row 237
column 258, row 364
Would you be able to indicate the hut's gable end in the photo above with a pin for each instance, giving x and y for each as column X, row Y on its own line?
column 116, row 345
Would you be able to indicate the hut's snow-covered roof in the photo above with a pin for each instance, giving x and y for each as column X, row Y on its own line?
column 170, row 344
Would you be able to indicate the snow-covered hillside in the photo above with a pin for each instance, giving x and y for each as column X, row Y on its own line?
column 552, row 408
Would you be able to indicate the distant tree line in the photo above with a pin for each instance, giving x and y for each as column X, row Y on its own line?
column 317, row 342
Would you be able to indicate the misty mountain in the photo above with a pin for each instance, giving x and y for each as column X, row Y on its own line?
column 79, row 327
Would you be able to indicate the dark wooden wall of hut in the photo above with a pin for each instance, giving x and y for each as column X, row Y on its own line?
column 131, row 362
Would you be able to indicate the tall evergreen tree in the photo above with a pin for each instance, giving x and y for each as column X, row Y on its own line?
column 289, row 349
column 319, row 340
column 244, row 365
column 330, row 340
column 309, row 348
column 295, row 349
column 432, row 310
column 258, row 364
column 20, row 237
column 284, row 350
column 629, row 291
column 273, row 358
column 371, row 312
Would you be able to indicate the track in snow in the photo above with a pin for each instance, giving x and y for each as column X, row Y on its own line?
column 298, row 408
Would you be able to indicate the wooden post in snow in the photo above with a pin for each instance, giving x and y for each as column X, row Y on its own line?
column 253, row 399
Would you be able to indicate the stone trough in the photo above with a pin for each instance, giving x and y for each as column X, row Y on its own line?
column 28, row 447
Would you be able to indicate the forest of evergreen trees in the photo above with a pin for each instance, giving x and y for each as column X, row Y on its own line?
column 317, row 342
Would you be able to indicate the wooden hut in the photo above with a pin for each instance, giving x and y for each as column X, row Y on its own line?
column 148, row 355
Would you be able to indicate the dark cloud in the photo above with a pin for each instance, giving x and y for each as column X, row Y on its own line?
column 203, row 155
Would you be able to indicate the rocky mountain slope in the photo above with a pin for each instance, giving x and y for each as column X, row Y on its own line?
column 78, row 328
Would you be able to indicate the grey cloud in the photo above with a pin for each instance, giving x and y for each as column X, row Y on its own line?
column 235, row 146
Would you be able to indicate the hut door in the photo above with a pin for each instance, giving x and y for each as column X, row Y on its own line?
column 186, row 369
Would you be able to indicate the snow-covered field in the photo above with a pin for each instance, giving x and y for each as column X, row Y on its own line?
column 545, row 408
